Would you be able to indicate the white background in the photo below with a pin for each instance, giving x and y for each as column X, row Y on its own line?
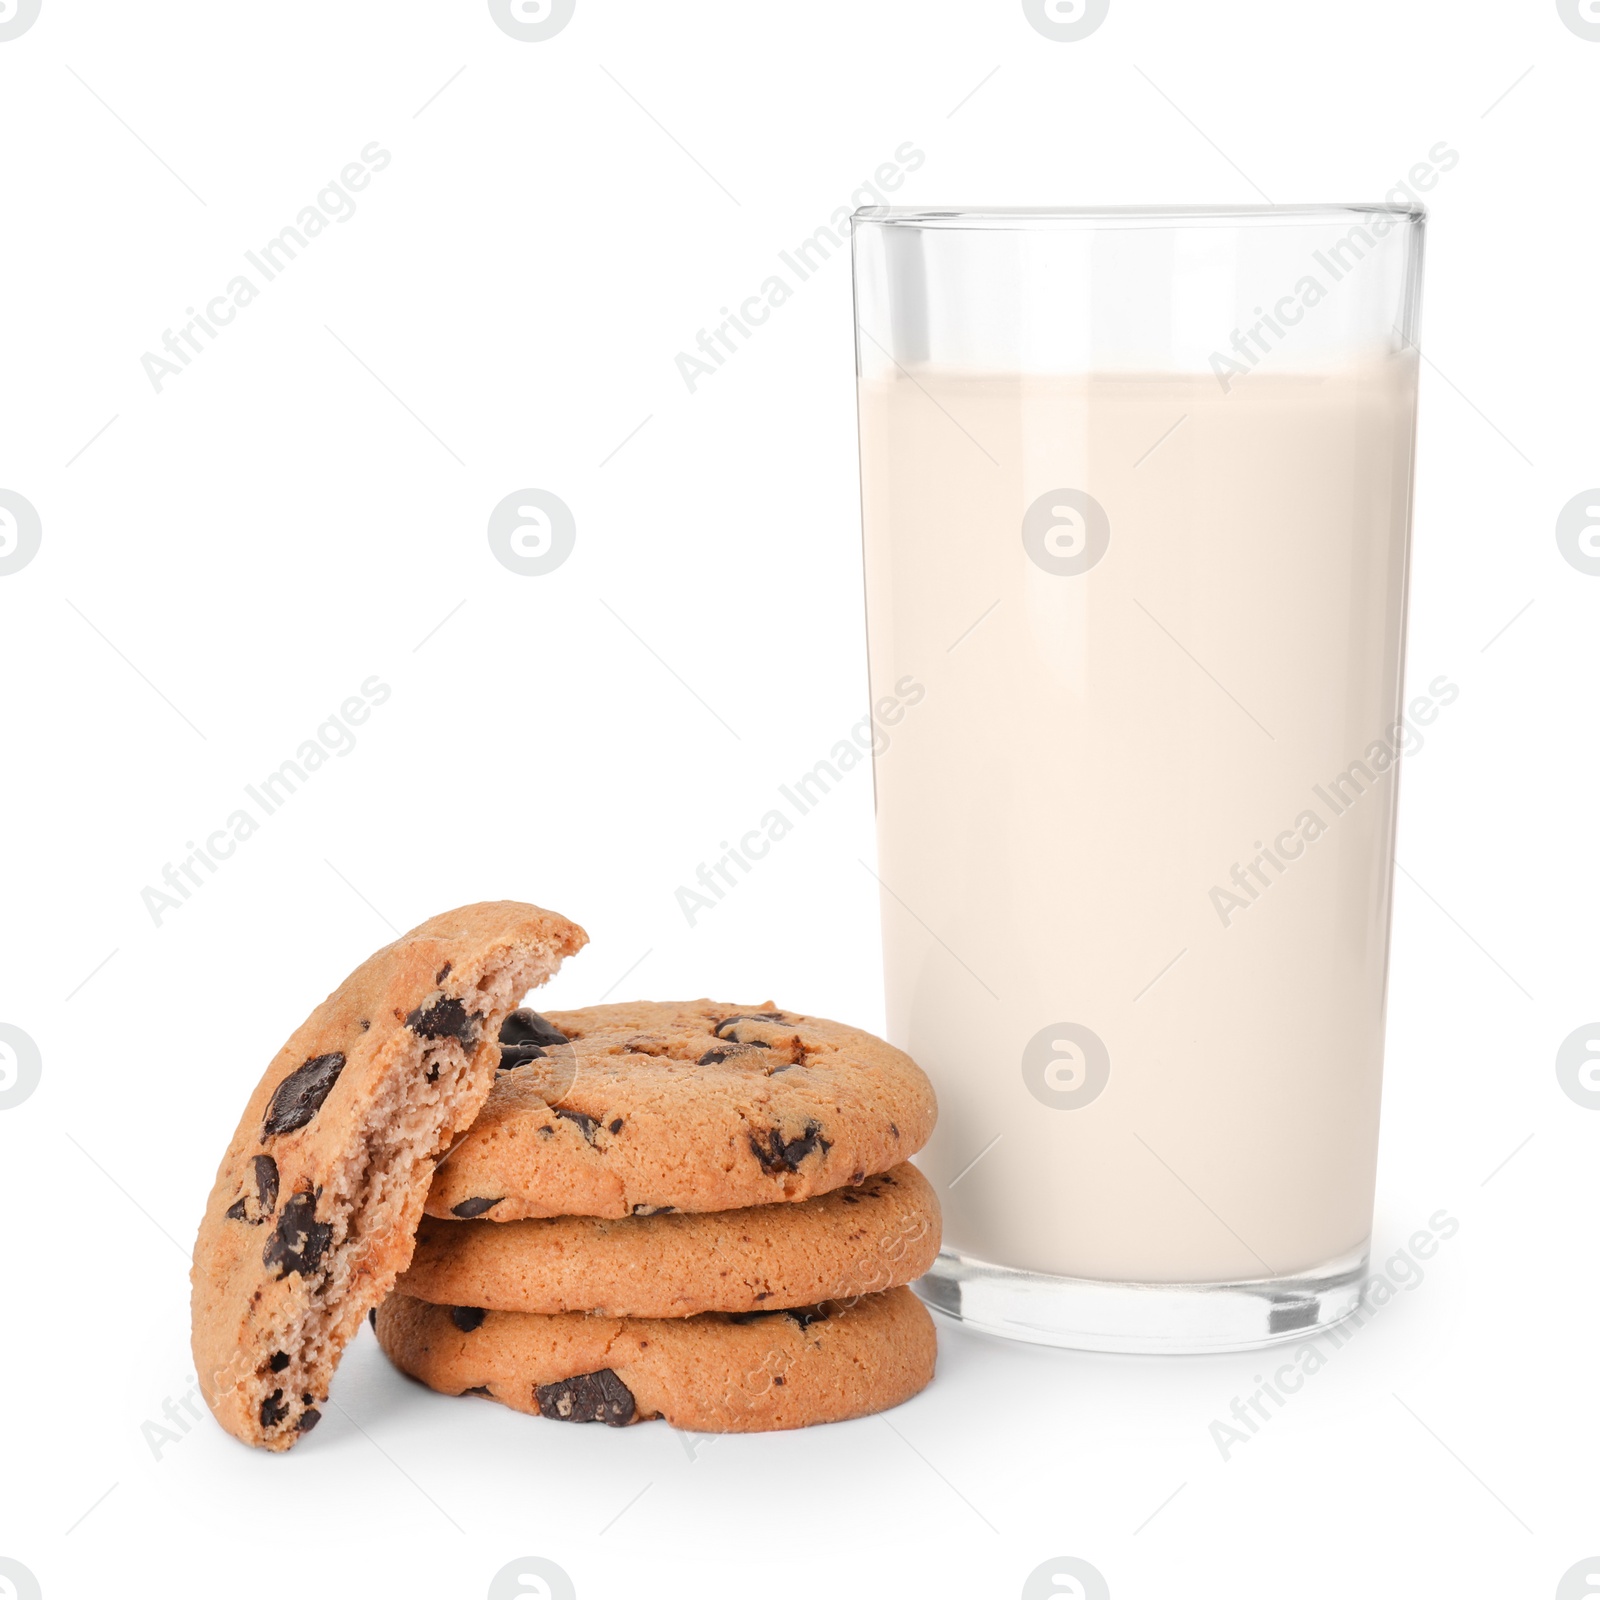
column 224, row 562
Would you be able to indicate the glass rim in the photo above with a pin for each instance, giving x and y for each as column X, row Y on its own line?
column 1020, row 218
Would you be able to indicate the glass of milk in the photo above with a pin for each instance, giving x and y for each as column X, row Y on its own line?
column 1136, row 497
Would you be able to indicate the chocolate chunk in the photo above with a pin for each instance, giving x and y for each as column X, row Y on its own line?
column 442, row 973
column 614, row 1125
column 714, row 1056
column 528, row 1027
column 546, row 1130
column 265, row 1173
column 256, row 1208
column 785, row 1155
column 267, row 1184
column 894, row 1130
column 585, row 1124
column 590, row 1397
column 747, row 1016
column 851, row 1199
column 366, row 1023
column 804, row 1315
column 518, row 1055
column 279, row 1361
column 468, row 1318
column 309, row 1418
column 271, row 1412
column 297, row 1243
column 475, row 1208
column 299, row 1097
column 777, row 1380
column 445, row 1019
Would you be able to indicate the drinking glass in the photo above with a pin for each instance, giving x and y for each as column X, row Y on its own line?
column 1136, row 495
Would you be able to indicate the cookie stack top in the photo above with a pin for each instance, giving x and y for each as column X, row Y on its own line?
column 631, row 1110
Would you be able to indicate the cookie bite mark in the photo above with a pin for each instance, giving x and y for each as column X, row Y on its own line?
column 365, row 1097
column 590, row 1397
column 299, row 1097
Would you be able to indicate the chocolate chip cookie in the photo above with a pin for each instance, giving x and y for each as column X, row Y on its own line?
column 317, row 1200
column 713, row 1373
column 856, row 1240
column 631, row 1110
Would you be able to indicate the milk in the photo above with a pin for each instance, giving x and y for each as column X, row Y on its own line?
column 1126, row 857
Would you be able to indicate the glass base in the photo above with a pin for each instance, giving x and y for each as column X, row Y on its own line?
column 1143, row 1318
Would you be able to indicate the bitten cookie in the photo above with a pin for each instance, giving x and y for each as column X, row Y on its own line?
column 633, row 1109
column 851, row 1241
column 317, row 1201
column 714, row 1373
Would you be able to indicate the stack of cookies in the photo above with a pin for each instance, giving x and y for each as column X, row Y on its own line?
column 696, row 1212
column 692, row 1211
